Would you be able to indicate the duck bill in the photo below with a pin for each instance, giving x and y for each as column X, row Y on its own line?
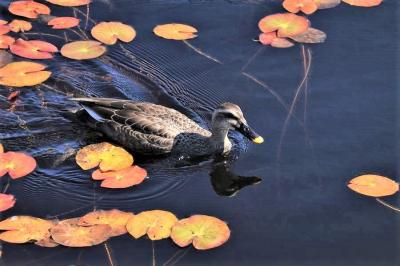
column 249, row 133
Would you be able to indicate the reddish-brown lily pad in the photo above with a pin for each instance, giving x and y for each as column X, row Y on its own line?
column 28, row 9
column 16, row 164
column 34, row 49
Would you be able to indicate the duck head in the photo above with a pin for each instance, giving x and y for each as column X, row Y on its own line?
column 229, row 116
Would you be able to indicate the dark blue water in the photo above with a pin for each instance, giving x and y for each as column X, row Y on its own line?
column 344, row 124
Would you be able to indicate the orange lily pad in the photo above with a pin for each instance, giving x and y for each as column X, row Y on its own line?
column 105, row 155
column 1, row 148
column 175, row 31
column 124, row 178
column 34, row 49
column 63, row 22
column 323, row 4
column 21, row 74
column 81, row 50
column 28, row 9
column 306, row 6
column 109, row 32
column 286, row 24
column 157, row 224
column 205, row 232
column 272, row 39
column 23, row 229
column 20, row 25
column 116, row 219
column 363, row 3
column 16, row 164
column 70, row 2
column 69, row 233
column 373, row 185
column 310, row 36
column 6, row 41
column 4, row 29
column 3, row 22
column 6, row 202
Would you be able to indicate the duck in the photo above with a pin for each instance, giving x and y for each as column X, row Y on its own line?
column 151, row 129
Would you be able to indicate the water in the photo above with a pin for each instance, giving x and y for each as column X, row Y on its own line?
column 344, row 124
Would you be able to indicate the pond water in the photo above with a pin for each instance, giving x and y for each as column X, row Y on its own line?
column 288, row 202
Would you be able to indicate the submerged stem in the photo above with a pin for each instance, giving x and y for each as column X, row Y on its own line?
column 387, row 205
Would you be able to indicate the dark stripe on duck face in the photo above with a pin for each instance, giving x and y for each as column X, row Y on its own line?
column 228, row 115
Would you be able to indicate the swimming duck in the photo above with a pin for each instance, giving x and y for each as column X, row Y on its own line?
column 152, row 129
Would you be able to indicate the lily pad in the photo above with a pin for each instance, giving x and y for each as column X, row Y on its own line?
column 18, row 25
column 33, row 49
column 204, row 232
column 70, row 3
column 373, row 185
column 306, row 6
column 63, row 22
column 16, row 164
column 363, row 3
column 116, row 219
column 28, row 9
column 105, row 155
column 324, row 4
column 109, row 32
column 124, row 178
column 157, row 224
column 175, row 31
column 286, row 24
column 69, row 233
column 23, row 229
column 24, row 73
column 272, row 39
column 82, row 50
column 6, row 202
column 6, row 41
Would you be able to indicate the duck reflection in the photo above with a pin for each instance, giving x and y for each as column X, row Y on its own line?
column 227, row 183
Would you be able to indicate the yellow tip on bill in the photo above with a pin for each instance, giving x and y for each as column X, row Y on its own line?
column 258, row 140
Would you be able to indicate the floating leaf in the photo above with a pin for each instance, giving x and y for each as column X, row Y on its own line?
column 3, row 22
column 28, row 9
column 4, row 29
column 116, row 219
column 70, row 2
column 20, row 25
column 34, row 49
column 21, row 74
column 205, row 232
column 16, row 164
column 22, row 229
column 175, row 31
column 273, row 40
column 287, row 24
column 109, row 32
column 323, row 4
column 81, row 50
column 156, row 224
column 63, row 22
column 373, row 185
column 124, row 178
column 310, row 36
column 306, row 6
column 6, row 41
column 1, row 148
column 69, row 233
column 363, row 3
column 105, row 155
column 6, row 202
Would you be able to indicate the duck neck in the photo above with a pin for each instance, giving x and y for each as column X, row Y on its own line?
column 219, row 139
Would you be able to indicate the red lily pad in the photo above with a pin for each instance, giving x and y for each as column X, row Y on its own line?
column 28, row 9
column 6, row 202
column 34, row 49
column 16, row 164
